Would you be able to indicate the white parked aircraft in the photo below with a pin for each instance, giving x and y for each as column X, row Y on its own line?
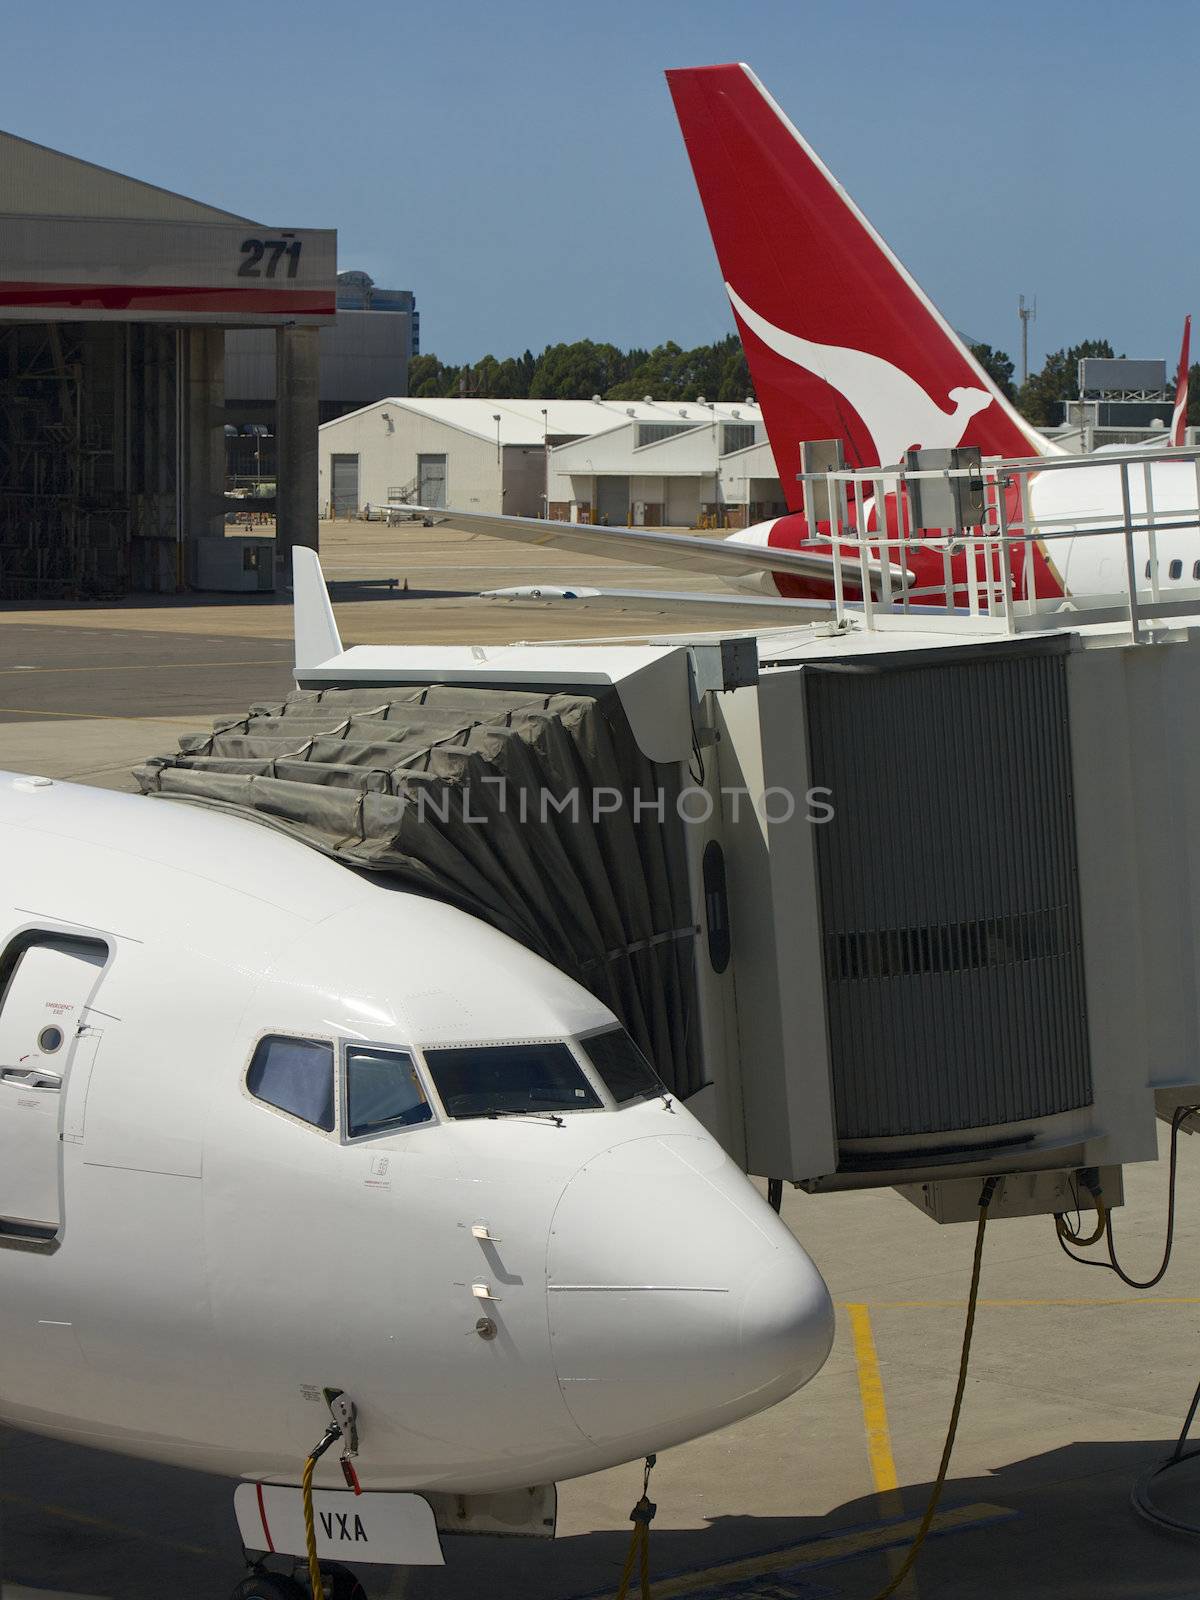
column 269, row 1127
column 842, row 343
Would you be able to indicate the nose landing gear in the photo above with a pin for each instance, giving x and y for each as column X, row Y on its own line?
column 337, row 1583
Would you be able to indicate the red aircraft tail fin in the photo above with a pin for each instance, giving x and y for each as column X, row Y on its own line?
column 841, row 342
column 1179, row 415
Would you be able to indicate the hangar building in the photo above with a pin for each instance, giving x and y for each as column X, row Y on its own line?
column 663, row 465
column 364, row 355
column 649, row 463
column 114, row 298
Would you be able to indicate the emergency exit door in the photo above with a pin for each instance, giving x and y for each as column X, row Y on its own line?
column 50, row 981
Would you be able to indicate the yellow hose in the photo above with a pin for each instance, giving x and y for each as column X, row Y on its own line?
column 641, row 1516
column 914, row 1549
column 310, row 1529
column 1060, row 1224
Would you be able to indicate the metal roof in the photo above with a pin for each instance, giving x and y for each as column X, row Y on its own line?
column 36, row 181
column 521, row 422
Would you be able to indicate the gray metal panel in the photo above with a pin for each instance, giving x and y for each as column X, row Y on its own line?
column 364, row 357
column 431, row 480
column 1098, row 373
column 952, row 945
column 945, row 502
column 344, row 489
column 612, row 501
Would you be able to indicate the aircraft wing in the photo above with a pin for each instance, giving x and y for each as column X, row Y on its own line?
column 724, row 558
column 658, row 600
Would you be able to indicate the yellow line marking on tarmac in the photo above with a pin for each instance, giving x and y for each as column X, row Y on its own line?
column 875, row 1419
column 879, row 1434
column 961, row 1305
column 104, row 1526
column 825, row 1551
column 146, row 666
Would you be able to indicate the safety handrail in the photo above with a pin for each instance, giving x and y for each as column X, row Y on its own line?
column 991, row 565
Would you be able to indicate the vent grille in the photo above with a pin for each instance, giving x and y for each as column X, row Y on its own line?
column 950, row 913
column 948, row 947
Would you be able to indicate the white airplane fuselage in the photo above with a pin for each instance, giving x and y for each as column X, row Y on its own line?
column 184, row 1267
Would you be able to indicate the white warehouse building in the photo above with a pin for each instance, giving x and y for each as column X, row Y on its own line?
column 667, row 464
column 649, row 463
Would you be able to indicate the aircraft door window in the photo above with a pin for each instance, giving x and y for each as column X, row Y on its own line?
column 623, row 1069
column 296, row 1076
column 383, row 1091
column 499, row 1080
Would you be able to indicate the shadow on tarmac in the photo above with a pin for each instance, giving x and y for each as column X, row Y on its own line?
column 85, row 1522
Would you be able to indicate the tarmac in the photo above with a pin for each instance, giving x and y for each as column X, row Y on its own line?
column 1077, row 1383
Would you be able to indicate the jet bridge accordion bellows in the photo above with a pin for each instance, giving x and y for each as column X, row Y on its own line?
column 516, row 806
column 948, row 890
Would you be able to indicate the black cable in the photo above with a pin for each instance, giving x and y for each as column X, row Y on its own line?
column 1178, row 1453
column 1182, row 1113
column 697, row 759
column 1139, row 1495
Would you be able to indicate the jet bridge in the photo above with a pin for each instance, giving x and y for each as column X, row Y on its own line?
column 885, row 905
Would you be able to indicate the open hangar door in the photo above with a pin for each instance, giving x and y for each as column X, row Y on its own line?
column 114, row 299
column 90, row 458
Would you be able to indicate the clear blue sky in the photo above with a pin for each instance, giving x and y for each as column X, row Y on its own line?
column 519, row 166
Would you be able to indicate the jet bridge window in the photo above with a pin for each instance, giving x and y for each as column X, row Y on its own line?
column 296, row 1076
column 626, row 1073
column 383, row 1091
column 496, row 1080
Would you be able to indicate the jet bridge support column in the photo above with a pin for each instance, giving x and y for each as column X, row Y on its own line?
column 297, row 370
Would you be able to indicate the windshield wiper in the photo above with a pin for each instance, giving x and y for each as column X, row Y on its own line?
column 534, row 1116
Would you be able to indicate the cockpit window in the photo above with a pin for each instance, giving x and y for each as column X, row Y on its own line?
column 383, row 1090
column 626, row 1073
column 510, row 1079
column 296, row 1076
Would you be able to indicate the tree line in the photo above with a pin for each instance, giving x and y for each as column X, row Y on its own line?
column 578, row 371
column 717, row 371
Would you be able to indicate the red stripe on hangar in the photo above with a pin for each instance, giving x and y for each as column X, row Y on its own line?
column 167, row 297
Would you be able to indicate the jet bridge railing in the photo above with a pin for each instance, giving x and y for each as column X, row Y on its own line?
column 1002, row 570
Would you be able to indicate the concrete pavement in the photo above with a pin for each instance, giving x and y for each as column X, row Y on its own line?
column 1077, row 1383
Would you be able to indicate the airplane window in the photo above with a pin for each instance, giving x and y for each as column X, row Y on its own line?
column 626, row 1073
column 382, row 1091
column 1147, row 569
column 294, row 1075
column 1196, row 571
column 510, row 1080
column 1176, row 569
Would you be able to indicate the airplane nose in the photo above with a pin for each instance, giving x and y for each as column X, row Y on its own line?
column 785, row 1326
column 678, row 1300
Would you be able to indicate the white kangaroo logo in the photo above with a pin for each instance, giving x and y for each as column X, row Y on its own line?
column 895, row 410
